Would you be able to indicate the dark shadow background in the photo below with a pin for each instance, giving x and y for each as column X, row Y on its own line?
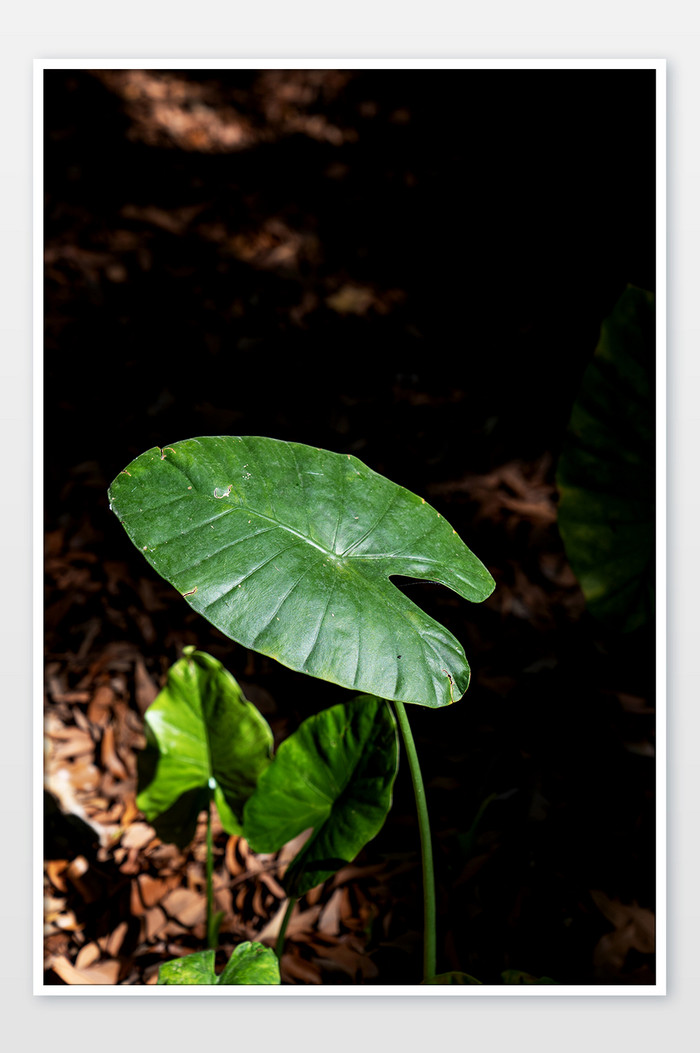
column 410, row 266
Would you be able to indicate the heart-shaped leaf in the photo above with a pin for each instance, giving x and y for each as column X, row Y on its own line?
column 289, row 549
column 202, row 737
column 333, row 775
column 606, row 470
column 250, row 963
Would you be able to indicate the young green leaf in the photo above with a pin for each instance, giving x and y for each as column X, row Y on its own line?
column 289, row 550
column 195, row 968
column 250, row 963
column 202, row 736
column 333, row 775
column 606, row 470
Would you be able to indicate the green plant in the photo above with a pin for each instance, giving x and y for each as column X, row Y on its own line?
column 605, row 473
column 205, row 746
column 250, row 963
column 333, row 776
column 289, row 551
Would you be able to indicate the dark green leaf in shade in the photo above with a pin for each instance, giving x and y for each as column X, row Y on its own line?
column 515, row 976
column 203, row 737
column 250, row 963
column 334, row 776
column 289, row 550
column 453, row 978
column 605, row 473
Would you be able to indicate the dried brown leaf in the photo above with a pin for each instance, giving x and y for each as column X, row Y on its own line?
column 185, row 906
column 87, row 955
column 138, row 835
column 105, row 973
column 145, row 689
column 154, row 923
column 76, row 743
column 100, row 708
column 294, row 968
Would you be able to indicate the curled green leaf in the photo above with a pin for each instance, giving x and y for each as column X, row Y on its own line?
column 333, row 776
column 203, row 737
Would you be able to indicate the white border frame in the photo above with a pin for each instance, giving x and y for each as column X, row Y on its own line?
column 40, row 65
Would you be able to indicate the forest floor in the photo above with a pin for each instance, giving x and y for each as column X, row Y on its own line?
column 119, row 902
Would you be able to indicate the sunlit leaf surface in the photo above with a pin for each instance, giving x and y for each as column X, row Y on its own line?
column 250, row 963
column 289, row 550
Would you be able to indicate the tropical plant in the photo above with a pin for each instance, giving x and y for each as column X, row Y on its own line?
column 606, row 469
column 289, row 551
column 206, row 746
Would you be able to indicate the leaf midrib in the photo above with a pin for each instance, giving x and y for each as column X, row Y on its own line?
column 342, row 794
column 348, row 560
column 249, row 510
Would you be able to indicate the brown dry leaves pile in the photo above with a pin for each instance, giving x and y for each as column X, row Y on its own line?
column 518, row 498
column 168, row 109
column 118, row 901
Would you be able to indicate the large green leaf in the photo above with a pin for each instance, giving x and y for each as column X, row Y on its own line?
column 289, row 549
column 606, row 470
column 333, row 775
column 202, row 735
column 250, row 963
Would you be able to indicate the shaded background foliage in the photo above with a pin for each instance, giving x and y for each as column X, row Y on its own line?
column 410, row 266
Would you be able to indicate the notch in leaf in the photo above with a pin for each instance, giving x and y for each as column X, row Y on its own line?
column 204, row 741
column 334, row 775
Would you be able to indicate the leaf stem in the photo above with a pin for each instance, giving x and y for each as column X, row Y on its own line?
column 211, row 934
column 429, row 920
column 279, row 946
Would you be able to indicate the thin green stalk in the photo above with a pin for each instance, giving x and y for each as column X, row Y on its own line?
column 429, row 922
column 211, row 936
column 279, row 946
column 213, row 920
